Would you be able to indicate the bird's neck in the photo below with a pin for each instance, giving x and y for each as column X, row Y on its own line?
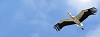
column 70, row 15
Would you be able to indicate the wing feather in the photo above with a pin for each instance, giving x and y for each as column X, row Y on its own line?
column 62, row 23
column 82, row 15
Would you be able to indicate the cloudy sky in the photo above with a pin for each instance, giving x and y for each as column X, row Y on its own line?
column 36, row 18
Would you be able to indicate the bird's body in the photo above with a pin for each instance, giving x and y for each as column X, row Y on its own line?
column 75, row 19
column 78, row 23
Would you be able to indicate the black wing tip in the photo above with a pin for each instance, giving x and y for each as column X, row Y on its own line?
column 57, row 27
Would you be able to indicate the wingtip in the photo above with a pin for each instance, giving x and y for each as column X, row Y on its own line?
column 56, row 27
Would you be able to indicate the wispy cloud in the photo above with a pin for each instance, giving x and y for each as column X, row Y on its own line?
column 40, row 8
column 39, row 16
column 81, row 4
column 76, row 4
column 95, row 32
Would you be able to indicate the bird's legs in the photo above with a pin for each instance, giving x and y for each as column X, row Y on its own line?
column 82, row 28
column 81, row 25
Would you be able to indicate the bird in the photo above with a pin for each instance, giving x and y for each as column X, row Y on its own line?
column 77, row 20
column 78, row 23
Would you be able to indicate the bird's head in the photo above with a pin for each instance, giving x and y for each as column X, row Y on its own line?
column 92, row 10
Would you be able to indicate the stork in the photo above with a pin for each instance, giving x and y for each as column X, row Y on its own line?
column 78, row 19
column 78, row 23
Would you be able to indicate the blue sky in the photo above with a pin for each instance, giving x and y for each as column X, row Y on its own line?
column 36, row 18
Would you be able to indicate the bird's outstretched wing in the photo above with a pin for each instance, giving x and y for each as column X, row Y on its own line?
column 62, row 23
column 82, row 15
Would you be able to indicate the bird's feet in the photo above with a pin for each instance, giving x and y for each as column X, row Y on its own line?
column 82, row 28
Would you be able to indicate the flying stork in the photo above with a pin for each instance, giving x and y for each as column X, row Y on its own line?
column 77, row 20
column 78, row 23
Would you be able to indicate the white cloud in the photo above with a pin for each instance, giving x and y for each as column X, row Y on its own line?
column 81, row 4
column 94, row 33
